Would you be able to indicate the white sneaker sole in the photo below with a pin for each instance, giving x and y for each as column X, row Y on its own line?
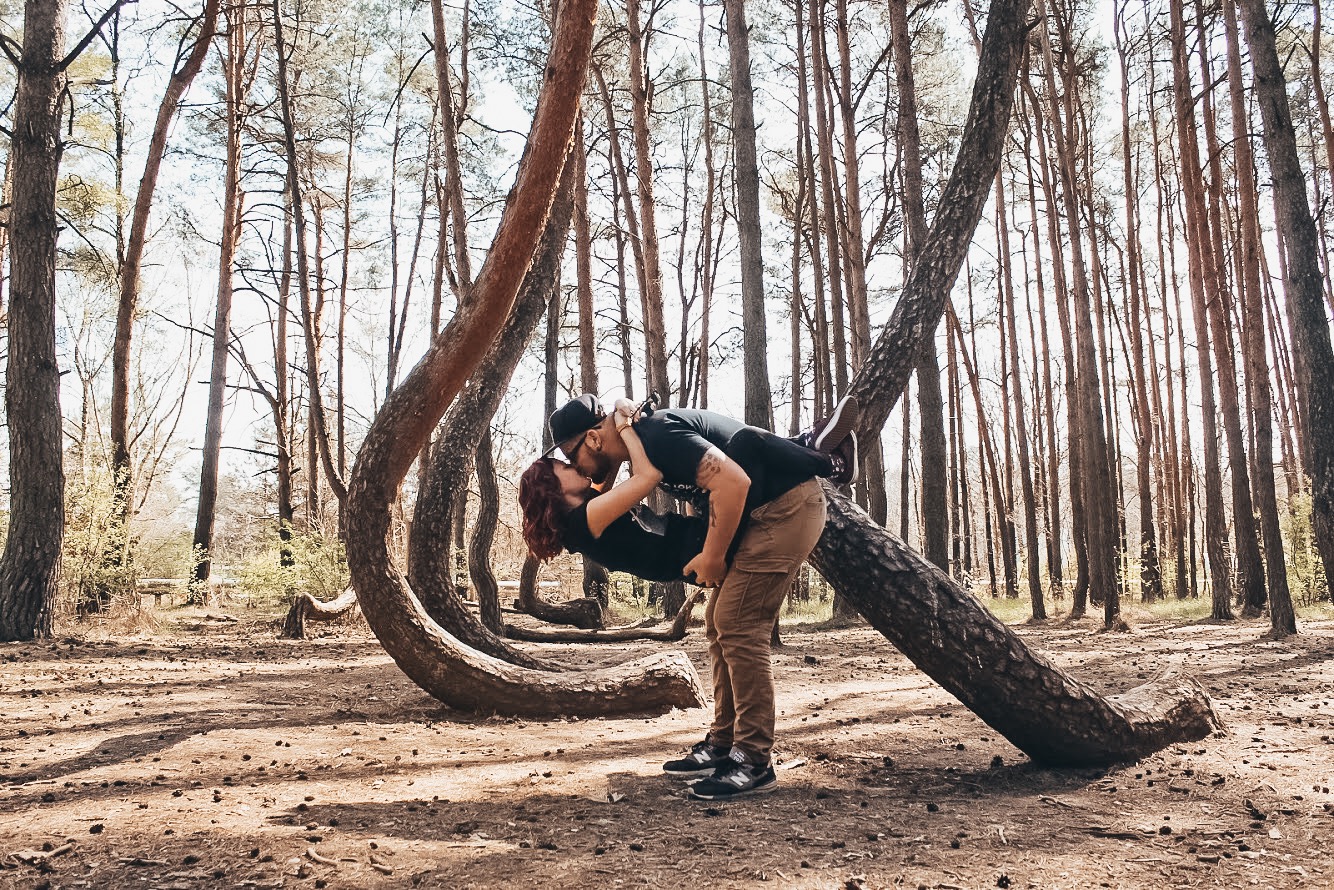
column 839, row 426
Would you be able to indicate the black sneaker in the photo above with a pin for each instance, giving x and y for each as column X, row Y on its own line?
column 838, row 426
column 735, row 779
column 844, row 461
column 703, row 760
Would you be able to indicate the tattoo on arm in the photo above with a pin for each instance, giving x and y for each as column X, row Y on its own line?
column 710, row 465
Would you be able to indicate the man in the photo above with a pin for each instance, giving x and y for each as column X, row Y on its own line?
column 779, row 510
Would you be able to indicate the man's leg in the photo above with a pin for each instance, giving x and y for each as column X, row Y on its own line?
column 724, row 709
column 780, row 536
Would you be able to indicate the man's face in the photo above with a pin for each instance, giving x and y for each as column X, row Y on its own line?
column 589, row 458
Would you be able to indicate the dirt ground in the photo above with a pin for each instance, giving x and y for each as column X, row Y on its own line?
column 210, row 754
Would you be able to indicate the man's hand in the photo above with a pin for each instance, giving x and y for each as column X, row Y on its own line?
column 708, row 571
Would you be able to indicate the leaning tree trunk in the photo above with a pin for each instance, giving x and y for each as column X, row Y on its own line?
column 30, row 569
column 451, row 672
column 1047, row 714
column 583, row 612
column 306, row 608
column 938, row 625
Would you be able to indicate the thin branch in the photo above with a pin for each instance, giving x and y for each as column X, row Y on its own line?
column 91, row 35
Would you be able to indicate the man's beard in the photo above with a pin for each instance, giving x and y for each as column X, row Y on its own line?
column 601, row 468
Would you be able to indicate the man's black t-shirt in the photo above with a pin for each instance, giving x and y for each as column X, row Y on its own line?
column 675, row 439
column 651, row 545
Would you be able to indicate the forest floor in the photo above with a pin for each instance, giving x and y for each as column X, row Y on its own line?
column 208, row 753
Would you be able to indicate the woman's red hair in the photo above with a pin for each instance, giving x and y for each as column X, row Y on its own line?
column 544, row 507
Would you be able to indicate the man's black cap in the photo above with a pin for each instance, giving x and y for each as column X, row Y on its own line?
column 574, row 417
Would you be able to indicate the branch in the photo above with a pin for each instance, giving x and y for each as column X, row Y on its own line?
column 8, row 45
column 88, row 38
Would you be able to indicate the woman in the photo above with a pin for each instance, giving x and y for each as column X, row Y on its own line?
column 563, row 511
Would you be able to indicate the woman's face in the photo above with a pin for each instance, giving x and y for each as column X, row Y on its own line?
column 573, row 483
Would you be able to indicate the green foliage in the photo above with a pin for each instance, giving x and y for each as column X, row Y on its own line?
column 94, row 563
column 1306, row 573
column 318, row 566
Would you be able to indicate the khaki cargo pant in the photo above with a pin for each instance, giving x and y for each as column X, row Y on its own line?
column 740, row 617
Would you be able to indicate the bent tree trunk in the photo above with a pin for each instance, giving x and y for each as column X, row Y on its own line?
column 306, row 608
column 442, row 494
column 939, row 626
column 674, row 632
column 451, row 672
column 945, row 631
column 585, row 612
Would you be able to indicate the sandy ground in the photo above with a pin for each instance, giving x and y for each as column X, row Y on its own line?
column 211, row 754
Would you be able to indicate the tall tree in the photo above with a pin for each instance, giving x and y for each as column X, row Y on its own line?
column 127, row 305
column 30, row 567
column 236, row 77
column 746, row 177
column 1306, row 308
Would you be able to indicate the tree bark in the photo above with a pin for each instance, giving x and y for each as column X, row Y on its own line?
column 30, row 567
column 233, row 199
column 483, row 535
column 453, row 673
column 746, row 178
column 1306, row 308
column 127, row 305
column 1050, row 716
column 306, row 608
column 675, row 632
column 1283, row 620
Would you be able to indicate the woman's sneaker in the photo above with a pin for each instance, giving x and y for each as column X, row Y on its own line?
column 843, row 460
column 735, row 779
column 703, row 760
column 838, row 426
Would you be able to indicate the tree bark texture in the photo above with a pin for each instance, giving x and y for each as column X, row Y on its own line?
column 30, row 567
column 1050, row 716
column 306, row 608
column 675, row 632
column 442, row 496
column 451, row 672
column 746, row 176
column 483, row 535
column 1310, row 324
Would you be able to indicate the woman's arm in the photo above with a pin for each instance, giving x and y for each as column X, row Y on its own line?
column 606, row 508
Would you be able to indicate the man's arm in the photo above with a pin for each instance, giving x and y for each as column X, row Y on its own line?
column 727, row 485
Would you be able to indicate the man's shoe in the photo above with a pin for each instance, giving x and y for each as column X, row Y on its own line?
column 844, row 461
column 704, row 759
column 735, row 779
column 838, row 426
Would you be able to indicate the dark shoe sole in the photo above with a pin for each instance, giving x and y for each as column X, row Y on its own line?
column 846, row 414
column 691, row 774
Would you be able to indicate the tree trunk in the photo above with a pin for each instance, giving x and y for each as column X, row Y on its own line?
column 1049, row 715
column 1200, row 266
column 443, row 489
column 746, row 176
column 655, row 328
column 127, row 305
column 674, row 633
column 1306, row 309
column 582, row 612
column 306, row 608
column 30, row 568
column 232, row 201
column 319, row 419
column 935, row 502
column 483, row 534
column 1282, row 618
column 455, row 674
